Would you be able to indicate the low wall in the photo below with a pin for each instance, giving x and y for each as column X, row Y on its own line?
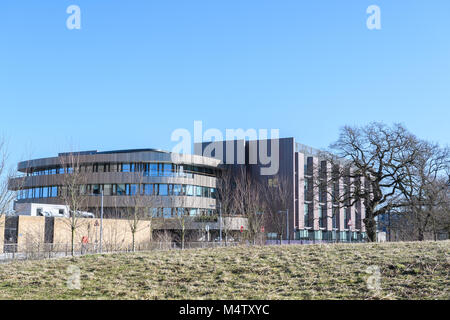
column 32, row 231
column 116, row 233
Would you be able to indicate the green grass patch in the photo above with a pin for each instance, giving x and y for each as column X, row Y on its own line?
column 410, row 270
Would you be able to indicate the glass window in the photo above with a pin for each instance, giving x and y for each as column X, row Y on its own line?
column 167, row 212
column 321, row 217
column 154, row 212
column 96, row 189
column 126, row 167
column 145, row 169
column 121, row 189
column 306, row 215
column 198, row 191
column 193, row 212
column 133, row 189
column 148, row 189
column 107, row 190
column 335, row 217
column 167, row 169
column 179, row 211
column 176, row 189
column 318, row 235
column 346, row 217
column 163, row 190
column 213, row 193
column 189, row 190
column 153, row 169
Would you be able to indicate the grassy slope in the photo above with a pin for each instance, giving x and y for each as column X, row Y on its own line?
column 408, row 271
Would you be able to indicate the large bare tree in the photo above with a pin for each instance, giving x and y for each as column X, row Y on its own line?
column 425, row 188
column 371, row 161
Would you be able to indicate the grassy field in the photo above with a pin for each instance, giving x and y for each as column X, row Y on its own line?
column 336, row 271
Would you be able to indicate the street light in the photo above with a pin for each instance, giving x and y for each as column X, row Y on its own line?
column 101, row 225
column 101, row 221
column 220, row 221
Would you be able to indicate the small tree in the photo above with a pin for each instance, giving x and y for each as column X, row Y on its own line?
column 73, row 192
column 276, row 199
column 248, row 202
column 7, row 196
column 138, row 208
column 226, row 197
column 181, row 217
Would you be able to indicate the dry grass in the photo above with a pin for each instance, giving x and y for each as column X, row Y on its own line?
column 336, row 271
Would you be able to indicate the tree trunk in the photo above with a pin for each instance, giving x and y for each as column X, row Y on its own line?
column 72, row 241
column 151, row 232
column 371, row 227
column 133, row 247
column 420, row 234
column 182, row 239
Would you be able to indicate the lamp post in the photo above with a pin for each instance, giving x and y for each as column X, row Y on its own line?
column 101, row 220
column 101, row 225
column 220, row 221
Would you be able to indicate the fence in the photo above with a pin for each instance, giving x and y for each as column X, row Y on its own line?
column 36, row 251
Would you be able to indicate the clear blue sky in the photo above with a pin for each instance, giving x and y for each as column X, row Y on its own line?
column 137, row 70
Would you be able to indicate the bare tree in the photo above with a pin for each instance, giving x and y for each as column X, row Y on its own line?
column 248, row 202
column 371, row 162
column 425, row 188
column 183, row 221
column 7, row 196
column 226, row 197
column 138, row 208
column 73, row 192
column 276, row 200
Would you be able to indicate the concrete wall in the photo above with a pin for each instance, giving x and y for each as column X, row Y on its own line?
column 117, row 233
column 31, row 231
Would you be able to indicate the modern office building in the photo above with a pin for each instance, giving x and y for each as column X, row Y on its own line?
column 188, row 185
column 310, row 216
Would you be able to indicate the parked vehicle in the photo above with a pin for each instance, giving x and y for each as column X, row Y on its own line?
column 50, row 214
column 83, row 214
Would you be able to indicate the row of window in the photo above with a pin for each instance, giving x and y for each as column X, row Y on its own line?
column 322, row 216
column 147, row 169
column 330, row 235
column 178, row 212
column 158, row 189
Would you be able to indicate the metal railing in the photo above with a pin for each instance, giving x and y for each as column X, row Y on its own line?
column 38, row 251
